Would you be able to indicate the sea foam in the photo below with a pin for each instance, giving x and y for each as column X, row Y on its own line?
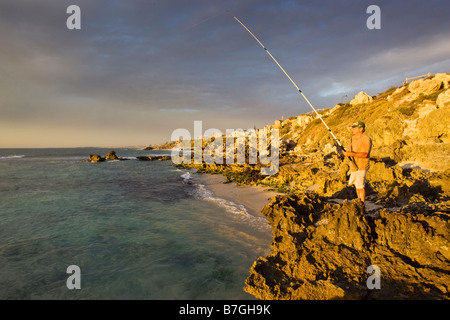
column 13, row 157
column 201, row 192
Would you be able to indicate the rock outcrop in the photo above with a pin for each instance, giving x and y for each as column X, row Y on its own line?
column 443, row 100
column 361, row 98
column 109, row 156
column 96, row 158
column 323, row 251
column 424, row 86
column 112, row 155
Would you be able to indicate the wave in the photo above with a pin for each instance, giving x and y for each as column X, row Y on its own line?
column 13, row 157
column 200, row 192
column 159, row 154
column 186, row 177
column 237, row 211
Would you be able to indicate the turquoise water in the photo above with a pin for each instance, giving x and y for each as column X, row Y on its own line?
column 136, row 229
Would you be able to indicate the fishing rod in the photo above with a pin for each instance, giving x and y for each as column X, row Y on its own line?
column 295, row 85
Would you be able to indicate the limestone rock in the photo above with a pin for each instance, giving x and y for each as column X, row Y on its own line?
column 303, row 120
column 397, row 92
column 278, row 124
column 361, row 97
column 322, row 251
column 424, row 86
column 426, row 109
column 443, row 99
column 443, row 78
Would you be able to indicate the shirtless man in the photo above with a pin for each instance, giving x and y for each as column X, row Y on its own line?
column 359, row 149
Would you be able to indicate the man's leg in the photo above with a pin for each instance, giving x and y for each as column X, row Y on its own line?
column 360, row 184
column 361, row 194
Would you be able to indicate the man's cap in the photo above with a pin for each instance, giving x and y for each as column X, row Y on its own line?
column 359, row 124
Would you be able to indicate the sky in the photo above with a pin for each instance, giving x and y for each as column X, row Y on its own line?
column 137, row 70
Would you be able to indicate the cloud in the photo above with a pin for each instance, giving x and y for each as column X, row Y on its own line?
column 145, row 68
column 431, row 50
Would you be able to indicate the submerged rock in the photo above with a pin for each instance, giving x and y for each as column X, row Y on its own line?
column 322, row 251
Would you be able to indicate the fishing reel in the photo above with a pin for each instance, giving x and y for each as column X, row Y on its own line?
column 340, row 151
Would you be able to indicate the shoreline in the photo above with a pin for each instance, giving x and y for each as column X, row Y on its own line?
column 252, row 197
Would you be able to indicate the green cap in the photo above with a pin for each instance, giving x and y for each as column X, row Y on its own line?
column 359, row 124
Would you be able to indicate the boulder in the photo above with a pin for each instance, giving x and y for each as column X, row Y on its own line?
column 443, row 99
column 360, row 98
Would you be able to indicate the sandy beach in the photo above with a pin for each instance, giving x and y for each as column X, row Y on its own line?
column 253, row 198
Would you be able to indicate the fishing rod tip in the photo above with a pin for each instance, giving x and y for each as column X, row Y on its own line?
column 229, row 12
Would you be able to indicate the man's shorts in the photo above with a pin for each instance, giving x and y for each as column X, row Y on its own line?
column 358, row 178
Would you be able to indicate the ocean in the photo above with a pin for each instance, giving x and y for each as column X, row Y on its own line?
column 136, row 229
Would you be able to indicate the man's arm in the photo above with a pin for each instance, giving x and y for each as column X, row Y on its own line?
column 356, row 154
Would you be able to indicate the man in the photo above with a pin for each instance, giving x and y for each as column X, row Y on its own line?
column 359, row 149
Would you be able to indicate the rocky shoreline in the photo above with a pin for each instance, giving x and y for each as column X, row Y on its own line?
column 113, row 156
column 322, row 251
column 324, row 240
